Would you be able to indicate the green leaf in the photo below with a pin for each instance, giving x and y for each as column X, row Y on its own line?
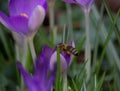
column 57, row 82
column 100, row 83
column 113, row 20
column 6, row 42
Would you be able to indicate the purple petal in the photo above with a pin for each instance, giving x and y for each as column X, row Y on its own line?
column 17, row 7
column 51, row 80
column 90, row 2
column 5, row 21
column 46, row 53
column 45, row 5
column 34, row 3
column 53, row 61
column 36, row 18
column 69, row 57
column 37, row 85
column 41, row 80
column 72, row 44
column 41, row 69
column 19, row 23
column 85, row 3
column 27, row 78
column 43, row 61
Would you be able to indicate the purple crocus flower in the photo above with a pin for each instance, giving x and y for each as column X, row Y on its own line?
column 85, row 4
column 65, row 59
column 40, row 80
column 25, row 15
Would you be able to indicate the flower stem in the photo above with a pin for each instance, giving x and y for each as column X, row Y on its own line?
column 65, row 82
column 17, row 52
column 69, row 20
column 24, row 53
column 51, row 17
column 32, row 48
column 21, row 50
column 87, row 46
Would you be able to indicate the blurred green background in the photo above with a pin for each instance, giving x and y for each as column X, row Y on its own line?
column 105, row 43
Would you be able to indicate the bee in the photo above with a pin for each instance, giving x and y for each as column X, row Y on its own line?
column 67, row 49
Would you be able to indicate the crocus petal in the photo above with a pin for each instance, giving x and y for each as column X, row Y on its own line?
column 19, row 23
column 5, row 21
column 40, row 81
column 26, row 76
column 45, row 5
column 51, row 79
column 36, row 18
column 53, row 61
column 72, row 44
column 17, row 7
column 46, row 54
column 34, row 3
column 69, row 57
column 24, row 6
column 90, row 3
column 43, row 60
column 82, row 2
column 85, row 3
column 41, row 69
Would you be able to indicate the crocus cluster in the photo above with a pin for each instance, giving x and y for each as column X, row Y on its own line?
column 25, row 16
column 46, row 63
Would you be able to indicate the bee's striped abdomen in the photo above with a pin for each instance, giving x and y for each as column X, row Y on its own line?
column 72, row 50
